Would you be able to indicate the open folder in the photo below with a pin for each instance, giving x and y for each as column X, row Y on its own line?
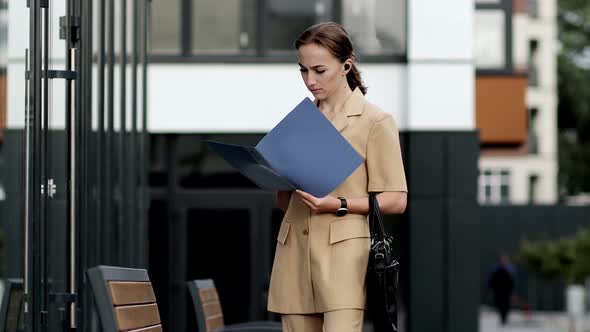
column 303, row 151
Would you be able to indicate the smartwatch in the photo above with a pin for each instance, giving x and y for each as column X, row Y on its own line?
column 343, row 210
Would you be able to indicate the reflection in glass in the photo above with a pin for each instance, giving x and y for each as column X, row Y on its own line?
column 223, row 27
column 166, row 27
column 287, row 19
column 377, row 27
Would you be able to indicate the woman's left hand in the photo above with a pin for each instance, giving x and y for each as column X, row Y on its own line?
column 323, row 204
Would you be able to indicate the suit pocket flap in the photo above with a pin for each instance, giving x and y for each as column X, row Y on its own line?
column 283, row 232
column 341, row 230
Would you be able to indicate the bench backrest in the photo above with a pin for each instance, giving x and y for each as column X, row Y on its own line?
column 125, row 299
column 11, row 307
column 207, row 306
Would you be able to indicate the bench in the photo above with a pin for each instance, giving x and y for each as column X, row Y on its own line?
column 209, row 313
column 11, row 307
column 125, row 299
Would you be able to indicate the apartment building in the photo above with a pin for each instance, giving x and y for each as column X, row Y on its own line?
column 516, row 101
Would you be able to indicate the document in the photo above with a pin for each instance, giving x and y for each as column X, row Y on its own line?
column 303, row 151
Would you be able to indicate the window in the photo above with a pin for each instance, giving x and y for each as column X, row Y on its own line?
column 533, row 181
column 165, row 32
column 223, row 27
column 286, row 19
column 533, row 8
column 490, row 40
column 493, row 35
column 267, row 29
column 533, row 140
column 494, row 187
column 372, row 27
column 533, row 72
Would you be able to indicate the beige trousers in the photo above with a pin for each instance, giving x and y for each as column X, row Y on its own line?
column 346, row 320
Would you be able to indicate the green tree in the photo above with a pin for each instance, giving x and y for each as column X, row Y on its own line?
column 564, row 259
column 573, row 68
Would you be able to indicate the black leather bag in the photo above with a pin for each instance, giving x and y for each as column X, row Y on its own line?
column 382, row 273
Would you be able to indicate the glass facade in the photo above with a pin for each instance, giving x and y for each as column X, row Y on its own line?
column 223, row 27
column 255, row 29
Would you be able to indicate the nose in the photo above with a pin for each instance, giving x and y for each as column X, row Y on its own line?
column 310, row 80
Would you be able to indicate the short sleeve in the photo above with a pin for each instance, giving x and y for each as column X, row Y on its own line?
column 384, row 159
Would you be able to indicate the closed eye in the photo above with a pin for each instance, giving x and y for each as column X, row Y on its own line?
column 303, row 70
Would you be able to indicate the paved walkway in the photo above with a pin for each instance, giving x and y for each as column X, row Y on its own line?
column 537, row 322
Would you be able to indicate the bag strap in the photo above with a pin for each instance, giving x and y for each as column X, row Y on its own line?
column 375, row 216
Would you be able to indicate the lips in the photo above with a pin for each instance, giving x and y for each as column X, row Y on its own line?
column 315, row 90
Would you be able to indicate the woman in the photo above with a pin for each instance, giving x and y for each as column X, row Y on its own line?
column 318, row 276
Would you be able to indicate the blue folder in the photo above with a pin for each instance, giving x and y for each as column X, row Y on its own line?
column 303, row 151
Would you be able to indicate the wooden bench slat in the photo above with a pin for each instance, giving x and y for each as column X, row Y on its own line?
column 126, row 292
column 214, row 323
column 155, row 328
column 137, row 316
column 212, row 309
column 208, row 294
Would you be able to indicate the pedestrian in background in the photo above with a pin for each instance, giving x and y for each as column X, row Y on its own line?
column 501, row 282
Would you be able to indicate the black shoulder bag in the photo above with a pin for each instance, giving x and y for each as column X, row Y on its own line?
column 382, row 273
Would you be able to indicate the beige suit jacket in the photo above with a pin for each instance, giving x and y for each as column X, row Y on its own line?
column 321, row 259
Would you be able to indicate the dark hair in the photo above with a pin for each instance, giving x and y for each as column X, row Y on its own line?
column 334, row 37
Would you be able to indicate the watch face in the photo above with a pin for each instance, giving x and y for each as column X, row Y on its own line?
column 341, row 212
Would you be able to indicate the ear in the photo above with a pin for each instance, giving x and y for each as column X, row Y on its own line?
column 347, row 66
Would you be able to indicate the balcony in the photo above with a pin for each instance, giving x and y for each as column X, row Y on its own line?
column 501, row 112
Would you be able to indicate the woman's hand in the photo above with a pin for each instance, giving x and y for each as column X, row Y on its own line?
column 324, row 204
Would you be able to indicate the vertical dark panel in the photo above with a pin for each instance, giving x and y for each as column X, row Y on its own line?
column 425, row 155
column 443, row 231
column 463, row 266
column 144, row 139
column 133, row 143
column 111, row 239
column 463, row 158
column 86, row 238
column 13, row 212
column 463, row 232
column 426, row 264
column 102, row 247
column 186, row 26
column 125, row 223
column 32, row 276
column 44, row 164
column 176, row 244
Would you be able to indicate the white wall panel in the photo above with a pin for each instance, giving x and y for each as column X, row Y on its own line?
column 18, row 41
column 440, row 30
column 18, row 28
column 15, row 92
column 441, row 97
column 247, row 97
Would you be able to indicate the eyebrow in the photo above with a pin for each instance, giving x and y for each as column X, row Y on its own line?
column 312, row 67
